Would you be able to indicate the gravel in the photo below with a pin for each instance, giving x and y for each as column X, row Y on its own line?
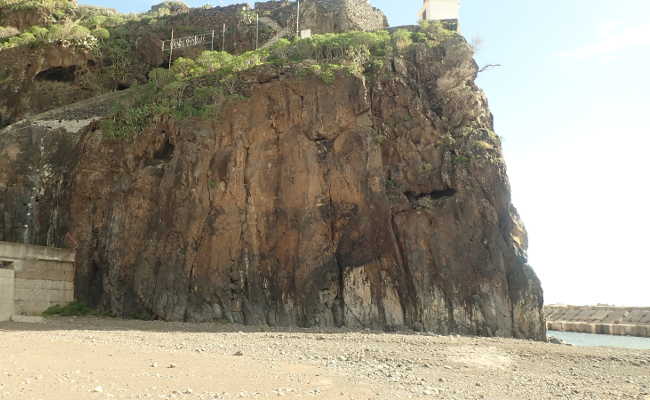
column 91, row 358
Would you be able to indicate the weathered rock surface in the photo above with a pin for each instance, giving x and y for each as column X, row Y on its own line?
column 376, row 202
column 324, row 16
column 37, row 78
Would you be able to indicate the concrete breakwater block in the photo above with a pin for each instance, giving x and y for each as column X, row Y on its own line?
column 606, row 329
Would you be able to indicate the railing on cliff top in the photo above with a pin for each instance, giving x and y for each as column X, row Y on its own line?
column 200, row 39
column 188, row 41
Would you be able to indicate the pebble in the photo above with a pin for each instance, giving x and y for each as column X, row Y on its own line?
column 394, row 363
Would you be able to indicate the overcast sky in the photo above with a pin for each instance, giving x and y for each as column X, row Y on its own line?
column 571, row 103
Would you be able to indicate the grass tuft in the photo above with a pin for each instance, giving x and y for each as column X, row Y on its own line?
column 74, row 308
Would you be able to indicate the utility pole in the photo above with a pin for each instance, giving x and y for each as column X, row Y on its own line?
column 223, row 38
column 257, row 30
column 171, row 49
column 298, row 20
column 212, row 41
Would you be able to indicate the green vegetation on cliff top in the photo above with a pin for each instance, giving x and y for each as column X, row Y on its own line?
column 198, row 87
column 192, row 87
column 63, row 22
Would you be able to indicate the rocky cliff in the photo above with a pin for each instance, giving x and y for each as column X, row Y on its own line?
column 368, row 191
column 55, row 52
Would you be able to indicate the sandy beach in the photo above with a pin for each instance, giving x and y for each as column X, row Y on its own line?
column 93, row 358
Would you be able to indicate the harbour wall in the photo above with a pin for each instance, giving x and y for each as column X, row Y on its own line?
column 608, row 320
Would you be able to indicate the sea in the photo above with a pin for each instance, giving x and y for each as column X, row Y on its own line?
column 593, row 340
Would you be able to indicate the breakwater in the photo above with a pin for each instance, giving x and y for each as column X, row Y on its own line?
column 608, row 320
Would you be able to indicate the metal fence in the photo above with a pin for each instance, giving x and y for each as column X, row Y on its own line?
column 202, row 39
column 189, row 41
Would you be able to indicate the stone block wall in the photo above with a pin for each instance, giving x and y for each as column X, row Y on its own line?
column 41, row 284
column 6, row 294
column 33, row 278
column 325, row 16
column 267, row 7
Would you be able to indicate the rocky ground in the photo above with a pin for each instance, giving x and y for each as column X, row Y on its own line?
column 90, row 358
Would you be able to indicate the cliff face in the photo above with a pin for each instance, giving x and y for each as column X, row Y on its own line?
column 371, row 201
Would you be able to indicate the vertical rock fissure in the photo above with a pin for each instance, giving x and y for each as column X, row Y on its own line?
column 273, row 305
column 339, row 307
column 241, row 279
column 401, row 258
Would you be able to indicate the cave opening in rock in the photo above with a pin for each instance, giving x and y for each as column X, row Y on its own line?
column 436, row 194
column 58, row 74
column 165, row 152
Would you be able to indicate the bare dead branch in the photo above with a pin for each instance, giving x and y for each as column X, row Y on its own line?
column 486, row 67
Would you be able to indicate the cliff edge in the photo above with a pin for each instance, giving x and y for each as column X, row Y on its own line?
column 343, row 180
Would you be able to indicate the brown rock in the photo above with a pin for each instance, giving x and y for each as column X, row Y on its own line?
column 364, row 203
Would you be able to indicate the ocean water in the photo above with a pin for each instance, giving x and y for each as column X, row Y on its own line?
column 593, row 340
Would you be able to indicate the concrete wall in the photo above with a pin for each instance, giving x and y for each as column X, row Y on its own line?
column 603, row 329
column 623, row 321
column 435, row 10
column 16, row 252
column 42, row 276
column 41, row 284
column 6, row 294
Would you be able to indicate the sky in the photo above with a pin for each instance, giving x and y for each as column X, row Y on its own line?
column 570, row 103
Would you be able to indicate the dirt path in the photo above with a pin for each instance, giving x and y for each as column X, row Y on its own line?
column 88, row 358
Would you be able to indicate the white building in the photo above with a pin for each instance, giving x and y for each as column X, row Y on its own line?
column 447, row 11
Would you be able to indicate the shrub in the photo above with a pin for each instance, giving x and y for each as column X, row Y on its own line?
column 352, row 46
column 161, row 77
column 435, row 31
column 167, row 7
column 128, row 121
column 8, row 31
column 88, row 12
column 23, row 39
column 119, row 51
column 96, row 21
column 481, row 144
column 71, row 309
column 101, row 33
column 280, row 50
column 49, row 5
column 402, row 39
column 185, row 68
column 68, row 31
column 115, row 20
column 211, row 61
column 41, row 33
